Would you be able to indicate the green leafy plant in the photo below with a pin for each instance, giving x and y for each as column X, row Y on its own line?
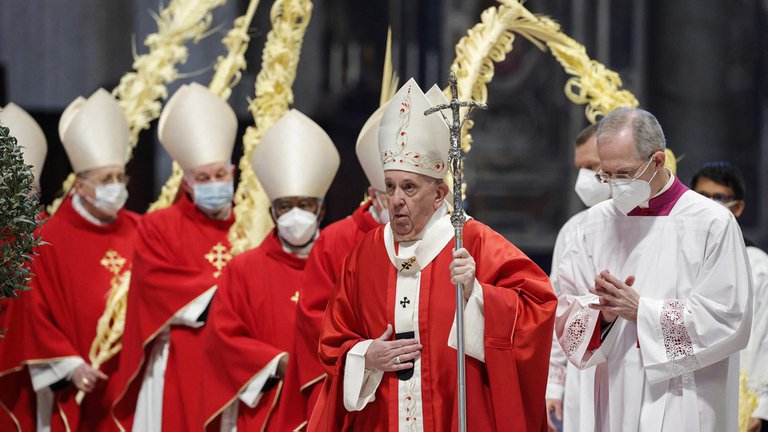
column 18, row 217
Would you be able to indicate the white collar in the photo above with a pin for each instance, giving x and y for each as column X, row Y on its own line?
column 666, row 187
column 429, row 242
column 77, row 204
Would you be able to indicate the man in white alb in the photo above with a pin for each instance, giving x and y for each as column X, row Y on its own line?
column 655, row 291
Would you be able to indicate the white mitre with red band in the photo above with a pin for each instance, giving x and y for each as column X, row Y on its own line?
column 197, row 127
column 367, row 150
column 94, row 132
column 29, row 136
column 409, row 140
column 295, row 158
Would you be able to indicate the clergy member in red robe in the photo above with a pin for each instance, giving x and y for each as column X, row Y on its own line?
column 306, row 373
column 17, row 398
column 88, row 246
column 180, row 253
column 388, row 335
column 249, row 337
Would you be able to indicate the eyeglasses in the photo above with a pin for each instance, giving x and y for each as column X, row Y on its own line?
column 604, row 177
column 724, row 199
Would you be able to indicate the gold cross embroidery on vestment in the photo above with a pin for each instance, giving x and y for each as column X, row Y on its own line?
column 113, row 262
column 218, row 256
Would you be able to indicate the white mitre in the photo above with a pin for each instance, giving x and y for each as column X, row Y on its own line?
column 29, row 136
column 367, row 150
column 409, row 140
column 94, row 132
column 295, row 158
column 197, row 127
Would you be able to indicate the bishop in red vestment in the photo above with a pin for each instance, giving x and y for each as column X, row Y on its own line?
column 250, row 329
column 180, row 253
column 306, row 373
column 249, row 339
column 17, row 399
column 388, row 336
column 88, row 246
column 73, row 274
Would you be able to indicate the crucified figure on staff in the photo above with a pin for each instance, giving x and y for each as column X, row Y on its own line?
column 457, row 220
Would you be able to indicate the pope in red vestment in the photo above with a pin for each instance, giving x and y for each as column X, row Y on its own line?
column 320, row 275
column 180, row 252
column 250, row 326
column 73, row 273
column 506, row 392
column 389, row 334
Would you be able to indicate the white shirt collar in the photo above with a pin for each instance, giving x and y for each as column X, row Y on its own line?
column 666, row 187
column 77, row 204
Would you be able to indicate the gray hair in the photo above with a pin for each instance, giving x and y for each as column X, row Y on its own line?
column 646, row 130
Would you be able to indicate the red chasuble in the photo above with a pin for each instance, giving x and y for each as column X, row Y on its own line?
column 180, row 253
column 506, row 393
column 73, row 274
column 17, row 397
column 250, row 323
column 322, row 271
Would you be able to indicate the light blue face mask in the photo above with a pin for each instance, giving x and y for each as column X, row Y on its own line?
column 214, row 196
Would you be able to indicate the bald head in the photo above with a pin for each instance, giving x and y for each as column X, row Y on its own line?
column 645, row 130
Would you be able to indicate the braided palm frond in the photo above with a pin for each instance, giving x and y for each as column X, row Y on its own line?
column 228, row 72
column 273, row 96
column 141, row 90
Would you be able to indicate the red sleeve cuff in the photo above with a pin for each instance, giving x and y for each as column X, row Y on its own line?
column 595, row 342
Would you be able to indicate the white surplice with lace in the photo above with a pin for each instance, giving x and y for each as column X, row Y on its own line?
column 677, row 367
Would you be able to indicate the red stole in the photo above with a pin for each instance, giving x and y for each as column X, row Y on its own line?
column 251, row 322
column 18, row 406
column 179, row 255
column 17, row 398
column 504, row 393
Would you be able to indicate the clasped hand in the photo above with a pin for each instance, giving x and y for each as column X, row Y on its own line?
column 616, row 298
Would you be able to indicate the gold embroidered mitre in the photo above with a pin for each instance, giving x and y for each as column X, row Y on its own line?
column 409, row 140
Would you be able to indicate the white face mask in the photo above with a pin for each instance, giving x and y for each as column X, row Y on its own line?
column 110, row 197
column 628, row 194
column 297, row 227
column 589, row 189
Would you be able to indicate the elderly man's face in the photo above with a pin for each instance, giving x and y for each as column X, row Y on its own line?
column 412, row 200
column 214, row 172
column 619, row 159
